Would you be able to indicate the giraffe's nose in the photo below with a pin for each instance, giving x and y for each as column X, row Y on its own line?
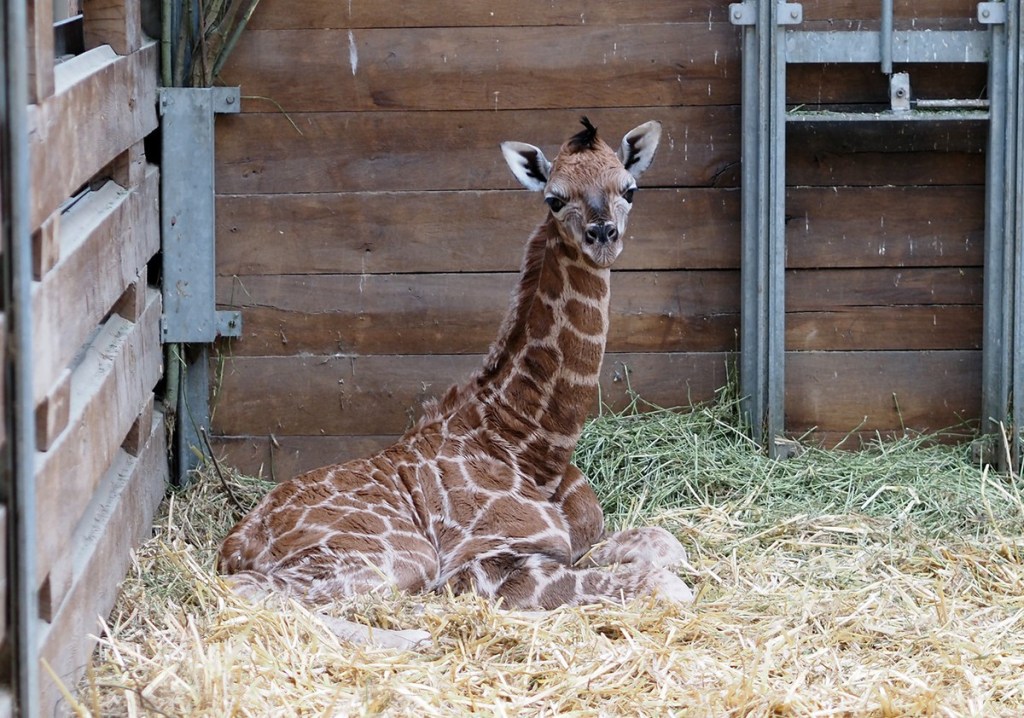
column 602, row 232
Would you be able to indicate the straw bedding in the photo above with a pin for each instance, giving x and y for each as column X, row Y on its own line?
column 883, row 582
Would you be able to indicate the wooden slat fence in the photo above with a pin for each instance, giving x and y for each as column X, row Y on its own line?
column 101, row 465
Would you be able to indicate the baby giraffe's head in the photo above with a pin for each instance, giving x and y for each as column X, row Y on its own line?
column 588, row 187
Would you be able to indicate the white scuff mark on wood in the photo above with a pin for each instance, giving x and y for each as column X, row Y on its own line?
column 353, row 53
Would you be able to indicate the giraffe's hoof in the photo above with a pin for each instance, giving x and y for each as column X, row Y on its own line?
column 667, row 586
column 650, row 545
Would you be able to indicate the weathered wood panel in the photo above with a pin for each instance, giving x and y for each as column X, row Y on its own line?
column 371, row 232
column 931, row 326
column 109, row 387
column 282, row 14
column 340, row 395
column 119, row 516
column 113, row 101
column 279, row 458
column 106, row 240
column 881, row 390
column 885, row 227
column 381, row 232
column 497, row 68
column 808, row 289
column 460, row 313
column 263, row 153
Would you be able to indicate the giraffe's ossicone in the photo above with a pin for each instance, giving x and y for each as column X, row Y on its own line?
column 481, row 495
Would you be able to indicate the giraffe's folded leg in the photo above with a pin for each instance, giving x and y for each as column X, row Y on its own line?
column 651, row 546
column 406, row 640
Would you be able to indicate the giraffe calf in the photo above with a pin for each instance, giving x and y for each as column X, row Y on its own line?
column 481, row 495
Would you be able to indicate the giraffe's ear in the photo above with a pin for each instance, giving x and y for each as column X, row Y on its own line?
column 638, row 147
column 527, row 163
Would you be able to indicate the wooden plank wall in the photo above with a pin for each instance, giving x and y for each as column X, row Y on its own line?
column 101, row 463
column 369, row 231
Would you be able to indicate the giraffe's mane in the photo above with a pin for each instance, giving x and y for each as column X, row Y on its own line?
column 585, row 139
column 513, row 327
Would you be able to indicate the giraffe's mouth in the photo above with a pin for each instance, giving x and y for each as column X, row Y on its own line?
column 604, row 254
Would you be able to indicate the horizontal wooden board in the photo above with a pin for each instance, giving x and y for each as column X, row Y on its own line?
column 871, row 328
column 885, row 154
column 844, row 391
column 260, row 153
column 460, row 313
column 106, row 240
column 463, row 231
column 282, row 14
column 103, row 104
column 109, row 387
column 452, row 13
column 828, row 289
column 278, row 458
column 813, row 85
column 119, row 517
column 337, row 395
column 885, row 227
column 495, row 68
column 371, row 232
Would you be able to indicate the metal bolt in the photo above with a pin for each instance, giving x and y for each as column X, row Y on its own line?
column 900, row 92
column 231, row 99
column 985, row 12
column 737, row 14
column 794, row 14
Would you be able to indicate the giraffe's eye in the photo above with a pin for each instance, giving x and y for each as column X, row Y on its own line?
column 555, row 203
column 628, row 194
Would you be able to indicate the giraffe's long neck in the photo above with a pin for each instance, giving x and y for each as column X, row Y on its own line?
column 541, row 378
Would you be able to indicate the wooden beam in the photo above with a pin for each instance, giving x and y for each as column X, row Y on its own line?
column 46, row 246
column 117, row 23
column 110, row 386
column 103, row 104
column 887, row 391
column 282, row 14
column 40, row 50
column 279, row 458
column 262, row 153
column 510, row 68
column 135, row 441
column 678, row 311
column 106, row 240
column 53, row 411
column 132, row 302
column 464, row 231
column 378, row 395
column 120, row 515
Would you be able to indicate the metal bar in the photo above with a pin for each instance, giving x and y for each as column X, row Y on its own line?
column 762, row 317
column 994, row 360
column 908, row 46
column 776, row 236
column 753, row 144
column 1013, row 28
column 193, row 410
column 21, row 449
column 888, row 116
column 885, row 37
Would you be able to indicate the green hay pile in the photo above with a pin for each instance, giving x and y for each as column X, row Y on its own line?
column 886, row 582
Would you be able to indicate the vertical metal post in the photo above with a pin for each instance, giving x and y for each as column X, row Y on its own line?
column 763, row 196
column 191, row 320
column 20, row 409
column 885, row 37
column 1014, row 30
column 1002, row 345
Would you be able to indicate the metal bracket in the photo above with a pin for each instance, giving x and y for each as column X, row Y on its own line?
column 745, row 13
column 187, row 215
column 992, row 13
column 899, row 92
